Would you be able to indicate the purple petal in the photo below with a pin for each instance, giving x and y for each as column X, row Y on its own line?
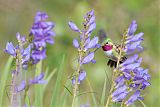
column 93, row 61
column 91, row 28
column 133, row 98
column 130, row 66
column 75, row 43
column 40, row 16
column 134, row 45
column 120, row 97
column 119, row 81
column 130, row 60
column 88, row 58
column 82, row 76
column 92, row 43
column 21, row 87
column 136, row 37
column 91, row 13
column 119, row 90
column 73, row 80
column 132, row 28
column 73, row 26
column 38, row 79
column 10, row 49
column 92, row 19
column 37, row 54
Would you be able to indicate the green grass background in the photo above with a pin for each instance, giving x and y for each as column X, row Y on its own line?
column 114, row 16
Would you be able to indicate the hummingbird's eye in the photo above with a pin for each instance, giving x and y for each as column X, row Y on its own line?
column 107, row 43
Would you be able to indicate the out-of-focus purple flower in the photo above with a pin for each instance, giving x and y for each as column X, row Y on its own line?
column 85, row 105
column 21, row 87
column 132, row 76
column 10, row 49
column 38, row 79
column 20, row 38
column 38, row 55
column 42, row 33
column 81, row 77
column 15, row 51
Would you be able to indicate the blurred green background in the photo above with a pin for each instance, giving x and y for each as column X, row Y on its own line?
column 114, row 16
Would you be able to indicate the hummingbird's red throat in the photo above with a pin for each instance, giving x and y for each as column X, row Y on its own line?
column 107, row 47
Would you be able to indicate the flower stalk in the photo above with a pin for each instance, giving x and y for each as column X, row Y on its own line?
column 129, row 79
column 85, row 55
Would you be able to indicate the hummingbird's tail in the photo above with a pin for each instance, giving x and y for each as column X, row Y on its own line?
column 112, row 63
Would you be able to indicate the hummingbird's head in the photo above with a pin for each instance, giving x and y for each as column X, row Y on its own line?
column 107, row 45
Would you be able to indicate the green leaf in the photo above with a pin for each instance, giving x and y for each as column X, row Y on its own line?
column 4, row 78
column 57, row 86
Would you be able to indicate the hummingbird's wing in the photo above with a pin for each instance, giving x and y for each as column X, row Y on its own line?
column 102, row 35
column 116, row 52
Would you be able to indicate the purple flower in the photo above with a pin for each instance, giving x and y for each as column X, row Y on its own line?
column 85, row 105
column 92, row 43
column 85, row 46
column 20, row 38
column 38, row 79
column 42, row 34
column 75, row 43
column 15, row 51
column 73, row 26
column 119, row 90
column 21, row 87
column 38, row 55
column 133, row 98
column 132, row 28
column 132, row 77
column 10, row 49
column 120, row 97
column 81, row 77
column 88, row 58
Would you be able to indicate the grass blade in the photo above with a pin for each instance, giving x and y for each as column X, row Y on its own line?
column 57, row 85
column 38, row 88
column 48, row 77
column 93, row 94
column 103, row 93
column 4, row 79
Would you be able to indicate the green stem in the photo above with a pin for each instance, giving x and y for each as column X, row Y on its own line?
column 76, row 82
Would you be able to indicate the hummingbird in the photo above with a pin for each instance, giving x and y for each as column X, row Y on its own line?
column 111, row 50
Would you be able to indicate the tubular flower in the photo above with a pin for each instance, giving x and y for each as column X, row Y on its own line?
column 85, row 44
column 38, row 79
column 132, row 77
column 19, row 50
column 42, row 33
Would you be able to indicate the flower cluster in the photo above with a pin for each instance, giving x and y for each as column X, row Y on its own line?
column 132, row 78
column 19, row 50
column 35, row 51
column 42, row 33
column 85, row 45
column 37, row 80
